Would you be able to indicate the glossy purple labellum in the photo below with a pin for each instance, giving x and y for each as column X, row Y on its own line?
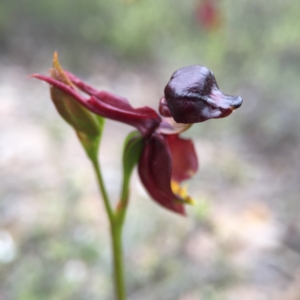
column 193, row 95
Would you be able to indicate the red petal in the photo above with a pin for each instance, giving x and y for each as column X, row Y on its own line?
column 155, row 173
column 184, row 157
column 110, row 106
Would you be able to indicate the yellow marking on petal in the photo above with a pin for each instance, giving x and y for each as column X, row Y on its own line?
column 189, row 200
column 181, row 191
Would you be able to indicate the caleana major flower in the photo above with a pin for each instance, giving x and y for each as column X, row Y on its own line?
column 192, row 95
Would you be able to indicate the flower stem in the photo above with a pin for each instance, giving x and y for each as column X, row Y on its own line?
column 123, row 203
column 103, row 190
column 116, row 226
column 116, row 232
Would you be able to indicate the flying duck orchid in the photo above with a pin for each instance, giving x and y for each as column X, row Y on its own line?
column 192, row 95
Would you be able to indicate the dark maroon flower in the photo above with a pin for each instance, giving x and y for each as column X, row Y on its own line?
column 166, row 159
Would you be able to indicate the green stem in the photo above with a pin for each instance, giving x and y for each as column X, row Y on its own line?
column 116, row 232
column 116, row 226
column 123, row 203
column 103, row 190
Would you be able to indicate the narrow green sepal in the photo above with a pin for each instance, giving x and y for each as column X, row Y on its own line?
column 132, row 150
column 133, row 146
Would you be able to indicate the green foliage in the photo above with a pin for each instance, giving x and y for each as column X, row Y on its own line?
column 136, row 31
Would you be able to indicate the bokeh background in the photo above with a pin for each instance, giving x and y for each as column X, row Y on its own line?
column 241, row 240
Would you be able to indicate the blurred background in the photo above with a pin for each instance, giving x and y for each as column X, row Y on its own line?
column 242, row 238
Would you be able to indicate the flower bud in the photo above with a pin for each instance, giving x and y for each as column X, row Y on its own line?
column 88, row 126
column 71, row 111
column 193, row 95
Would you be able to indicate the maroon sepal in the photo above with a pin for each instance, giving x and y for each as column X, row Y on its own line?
column 184, row 157
column 155, row 169
column 108, row 105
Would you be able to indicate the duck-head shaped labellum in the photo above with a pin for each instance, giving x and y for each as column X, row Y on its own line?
column 193, row 95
